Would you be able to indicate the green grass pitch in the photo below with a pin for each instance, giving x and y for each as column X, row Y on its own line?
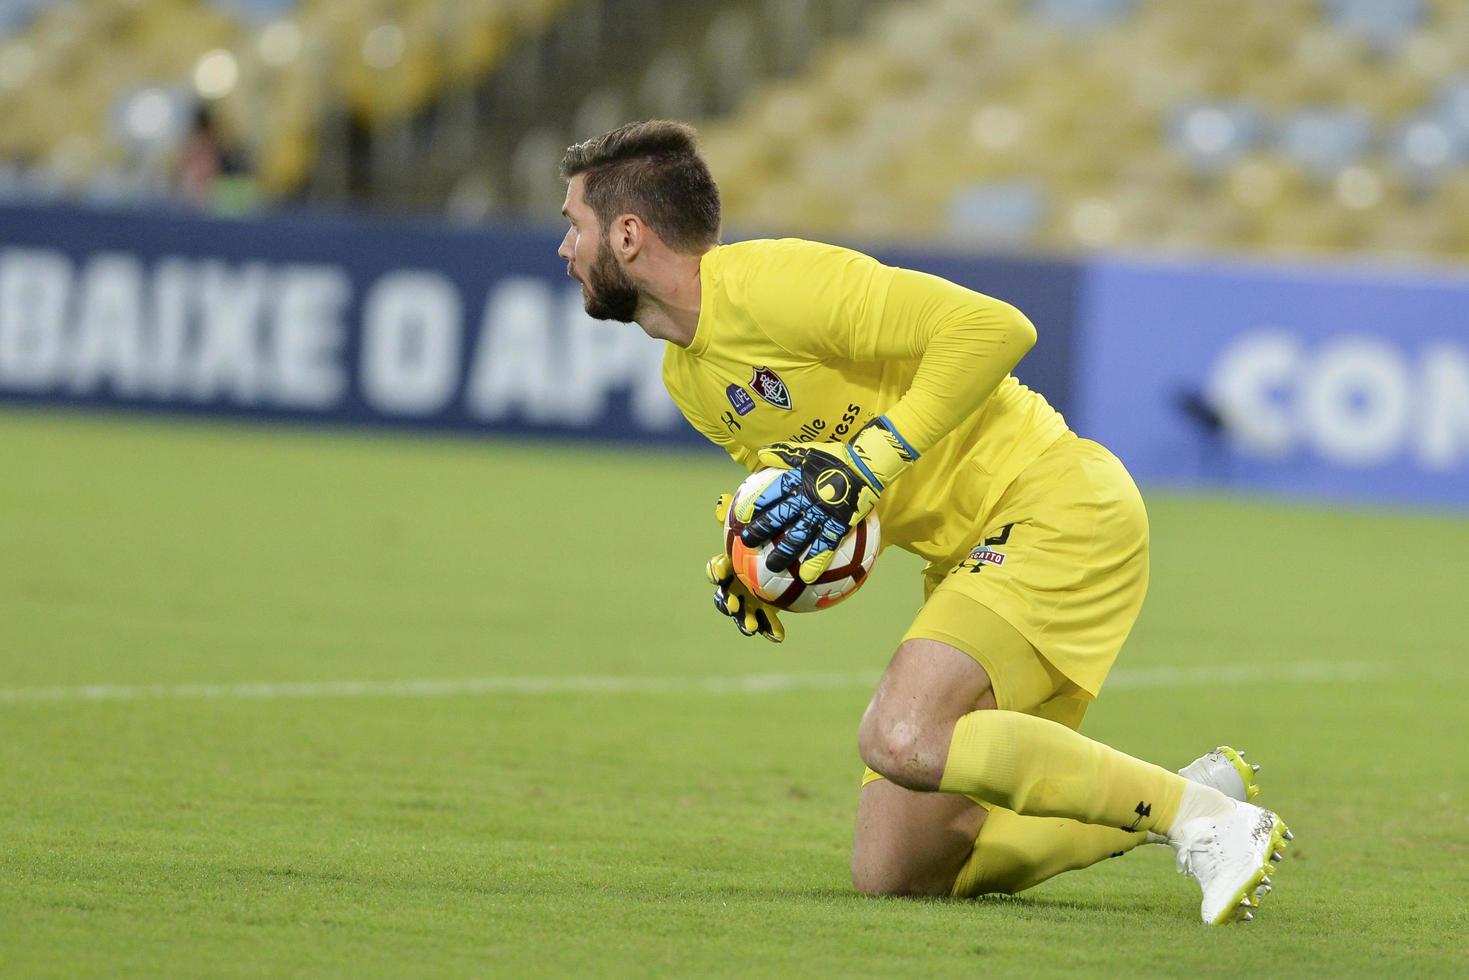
column 577, row 826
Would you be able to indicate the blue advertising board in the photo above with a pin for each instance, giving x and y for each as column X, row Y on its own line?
column 362, row 322
column 317, row 318
column 1327, row 382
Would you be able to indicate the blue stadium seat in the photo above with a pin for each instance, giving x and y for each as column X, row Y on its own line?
column 1378, row 23
column 256, row 11
column 1212, row 135
column 151, row 116
column 1323, row 141
column 1452, row 104
column 17, row 14
column 1426, row 149
column 1081, row 15
column 10, row 181
column 39, row 184
column 1008, row 212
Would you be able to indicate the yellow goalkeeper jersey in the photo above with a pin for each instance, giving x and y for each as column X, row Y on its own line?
column 799, row 341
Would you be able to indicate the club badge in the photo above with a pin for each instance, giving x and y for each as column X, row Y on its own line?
column 767, row 385
column 740, row 399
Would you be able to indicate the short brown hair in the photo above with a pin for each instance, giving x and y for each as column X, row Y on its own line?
column 653, row 170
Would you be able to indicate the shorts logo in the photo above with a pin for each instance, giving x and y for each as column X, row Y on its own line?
column 767, row 385
column 984, row 554
column 740, row 399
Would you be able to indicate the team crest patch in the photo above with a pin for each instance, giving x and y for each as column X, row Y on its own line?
column 767, row 385
column 740, row 399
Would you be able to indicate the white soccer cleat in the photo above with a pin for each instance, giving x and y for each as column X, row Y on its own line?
column 1233, row 856
column 1226, row 770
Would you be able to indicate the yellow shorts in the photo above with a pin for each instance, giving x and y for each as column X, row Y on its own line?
column 1063, row 558
column 1063, row 562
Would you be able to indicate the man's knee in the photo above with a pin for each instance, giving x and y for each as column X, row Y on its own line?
column 894, row 882
column 906, row 730
column 908, row 752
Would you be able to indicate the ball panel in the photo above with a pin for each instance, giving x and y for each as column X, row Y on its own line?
column 747, row 563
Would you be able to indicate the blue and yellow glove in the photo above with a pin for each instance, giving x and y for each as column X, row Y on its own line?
column 752, row 616
column 829, row 489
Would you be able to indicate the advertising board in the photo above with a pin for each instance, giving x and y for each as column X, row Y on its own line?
column 1328, row 382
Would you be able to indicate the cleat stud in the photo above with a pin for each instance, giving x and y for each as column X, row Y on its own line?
column 1277, row 856
column 1248, row 917
column 1265, row 881
column 1254, row 767
column 1244, row 902
column 1288, row 835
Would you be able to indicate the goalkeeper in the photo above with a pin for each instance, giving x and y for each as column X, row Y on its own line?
column 890, row 390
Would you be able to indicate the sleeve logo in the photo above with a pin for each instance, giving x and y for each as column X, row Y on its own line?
column 740, row 399
column 767, row 385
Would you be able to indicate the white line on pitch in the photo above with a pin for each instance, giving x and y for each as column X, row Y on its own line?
column 1121, row 679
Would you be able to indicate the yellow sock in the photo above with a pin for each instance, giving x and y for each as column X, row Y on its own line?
column 1041, row 769
column 1014, row 853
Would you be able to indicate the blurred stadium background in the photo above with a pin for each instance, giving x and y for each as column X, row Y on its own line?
column 330, row 688
column 1276, row 125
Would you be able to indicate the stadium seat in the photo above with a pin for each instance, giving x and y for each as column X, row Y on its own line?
column 1451, row 105
column 1008, row 213
column 1210, row 136
column 1323, row 141
column 256, row 11
column 1380, row 23
column 1081, row 15
column 1425, row 150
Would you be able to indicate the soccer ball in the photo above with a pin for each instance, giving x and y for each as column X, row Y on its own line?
column 785, row 590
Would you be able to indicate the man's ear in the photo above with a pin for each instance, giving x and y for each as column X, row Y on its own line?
column 629, row 235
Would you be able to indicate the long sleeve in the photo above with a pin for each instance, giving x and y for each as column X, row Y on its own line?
column 829, row 303
column 965, row 342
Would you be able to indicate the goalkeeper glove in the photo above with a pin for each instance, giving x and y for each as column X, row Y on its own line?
column 828, row 490
column 751, row 615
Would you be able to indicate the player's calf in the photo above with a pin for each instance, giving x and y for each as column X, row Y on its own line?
column 911, row 844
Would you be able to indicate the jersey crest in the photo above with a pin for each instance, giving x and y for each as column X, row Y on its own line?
column 767, row 385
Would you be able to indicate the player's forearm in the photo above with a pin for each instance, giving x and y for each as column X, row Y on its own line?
column 967, row 343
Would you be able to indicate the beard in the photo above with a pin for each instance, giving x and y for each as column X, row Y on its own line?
column 611, row 295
